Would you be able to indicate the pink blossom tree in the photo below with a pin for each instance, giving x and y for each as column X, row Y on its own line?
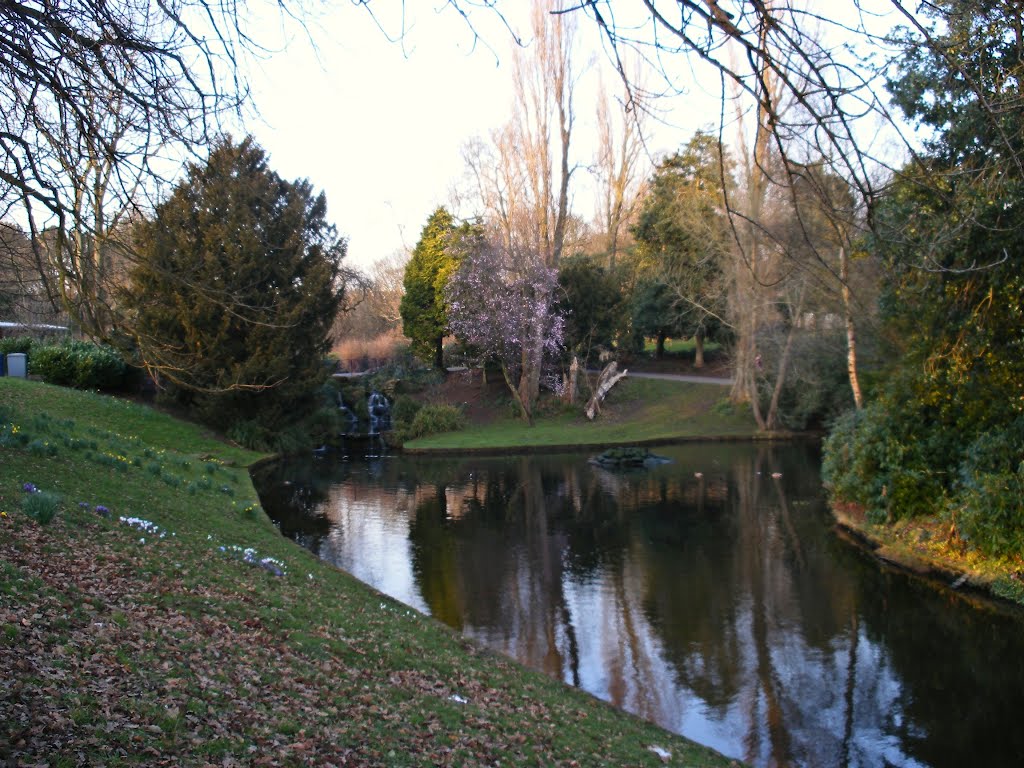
column 501, row 307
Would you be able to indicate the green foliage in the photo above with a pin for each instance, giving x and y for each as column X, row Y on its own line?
column 79, row 364
column 947, row 431
column 423, row 308
column 404, row 410
column 21, row 344
column 41, row 506
column 992, row 512
column 591, row 303
column 990, row 502
column 433, row 419
column 682, row 235
column 817, row 385
column 255, row 436
column 1009, row 588
column 893, row 467
column 653, row 313
column 236, row 291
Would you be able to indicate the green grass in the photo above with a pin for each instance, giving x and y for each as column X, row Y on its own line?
column 124, row 647
column 636, row 411
column 679, row 346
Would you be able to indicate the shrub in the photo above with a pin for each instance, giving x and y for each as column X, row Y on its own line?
column 251, row 435
column 817, row 385
column 323, row 425
column 256, row 437
column 990, row 502
column 433, row 419
column 292, row 440
column 404, row 410
column 41, row 506
column 14, row 344
column 991, row 512
column 79, row 364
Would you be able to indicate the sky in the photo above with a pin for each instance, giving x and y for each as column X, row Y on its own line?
column 379, row 125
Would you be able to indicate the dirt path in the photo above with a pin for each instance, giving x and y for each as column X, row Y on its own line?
column 725, row 382
column 689, row 378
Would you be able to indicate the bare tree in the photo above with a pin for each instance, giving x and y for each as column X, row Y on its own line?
column 99, row 103
column 373, row 310
column 620, row 163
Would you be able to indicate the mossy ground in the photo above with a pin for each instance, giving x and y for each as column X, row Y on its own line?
column 930, row 547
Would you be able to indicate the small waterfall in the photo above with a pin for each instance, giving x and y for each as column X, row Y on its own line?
column 350, row 417
column 380, row 413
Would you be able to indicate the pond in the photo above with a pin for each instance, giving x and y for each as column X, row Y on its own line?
column 709, row 595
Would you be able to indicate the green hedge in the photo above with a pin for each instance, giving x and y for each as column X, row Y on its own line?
column 16, row 344
column 79, row 364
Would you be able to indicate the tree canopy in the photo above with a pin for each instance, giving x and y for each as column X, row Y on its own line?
column 237, row 286
column 424, row 307
column 946, row 430
column 683, row 239
column 507, row 312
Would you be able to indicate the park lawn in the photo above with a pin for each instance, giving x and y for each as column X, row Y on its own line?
column 679, row 346
column 192, row 633
column 637, row 411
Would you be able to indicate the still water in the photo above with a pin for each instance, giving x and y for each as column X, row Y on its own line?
column 709, row 595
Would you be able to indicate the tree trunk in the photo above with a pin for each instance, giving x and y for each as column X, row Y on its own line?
column 698, row 348
column 610, row 376
column 439, row 354
column 851, row 331
column 771, row 420
column 660, row 351
column 525, row 411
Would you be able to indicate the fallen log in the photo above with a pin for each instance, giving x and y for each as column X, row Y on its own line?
column 610, row 376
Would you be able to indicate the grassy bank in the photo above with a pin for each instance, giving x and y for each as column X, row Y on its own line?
column 160, row 619
column 928, row 547
column 637, row 411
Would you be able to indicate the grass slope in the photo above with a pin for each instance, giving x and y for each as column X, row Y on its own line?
column 636, row 411
column 166, row 642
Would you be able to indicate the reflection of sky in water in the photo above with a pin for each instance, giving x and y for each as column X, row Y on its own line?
column 776, row 666
column 372, row 543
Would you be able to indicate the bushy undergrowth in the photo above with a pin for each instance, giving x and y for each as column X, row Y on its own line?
column 433, row 419
column 257, row 437
column 898, row 463
column 15, row 344
column 816, row 388
column 404, row 410
column 79, row 364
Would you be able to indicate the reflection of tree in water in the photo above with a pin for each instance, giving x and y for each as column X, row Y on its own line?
column 964, row 667
column 765, row 632
column 294, row 492
column 504, row 559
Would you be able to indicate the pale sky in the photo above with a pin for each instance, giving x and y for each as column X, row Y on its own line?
column 379, row 125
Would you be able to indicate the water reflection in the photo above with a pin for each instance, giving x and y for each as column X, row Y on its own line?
column 708, row 595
